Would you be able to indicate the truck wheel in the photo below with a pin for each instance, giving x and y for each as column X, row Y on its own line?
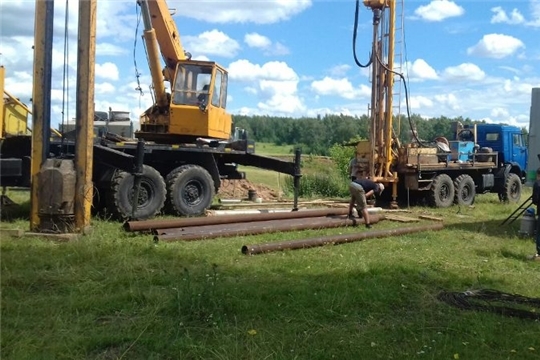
column 151, row 194
column 442, row 191
column 465, row 190
column 512, row 189
column 190, row 190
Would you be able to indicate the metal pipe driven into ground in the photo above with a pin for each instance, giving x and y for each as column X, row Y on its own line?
column 255, row 228
column 334, row 240
column 228, row 219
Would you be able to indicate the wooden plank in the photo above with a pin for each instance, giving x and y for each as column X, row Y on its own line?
column 429, row 217
column 400, row 218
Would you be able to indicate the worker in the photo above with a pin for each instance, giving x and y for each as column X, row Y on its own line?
column 361, row 190
column 353, row 167
column 536, row 201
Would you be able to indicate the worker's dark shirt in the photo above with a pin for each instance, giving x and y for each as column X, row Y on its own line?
column 367, row 184
column 536, row 193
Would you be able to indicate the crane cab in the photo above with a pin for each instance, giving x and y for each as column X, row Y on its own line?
column 197, row 104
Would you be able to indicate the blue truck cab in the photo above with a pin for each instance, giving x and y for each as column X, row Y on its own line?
column 508, row 142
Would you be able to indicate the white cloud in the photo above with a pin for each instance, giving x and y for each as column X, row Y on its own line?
column 107, row 70
column 438, row 10
column 277, row 86
column 108, row 49
column 500, row 16
column 257, row 40
column 499, row 112
column 339, row 87
column 244, row 70
column 496, row 46
column 465, row 71
column 262, row 42
column 254, row 11
column 420, row 70
column 418, row 102
column 339, row 70
column 448, row 100
column 104, row 88
column 212, row 42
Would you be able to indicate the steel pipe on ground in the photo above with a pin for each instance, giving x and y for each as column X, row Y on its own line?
column 335, row 240
column 255, row 228
column 228, row 219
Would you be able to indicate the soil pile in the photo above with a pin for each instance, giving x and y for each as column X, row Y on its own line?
column 238, row 189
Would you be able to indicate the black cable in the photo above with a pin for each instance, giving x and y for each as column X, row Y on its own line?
column 355, row 32
column 137, row 73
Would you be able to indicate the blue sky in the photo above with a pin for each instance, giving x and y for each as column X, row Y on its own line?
column 474, row 58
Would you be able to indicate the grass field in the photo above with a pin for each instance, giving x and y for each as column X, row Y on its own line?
column 273, row 149
column 114, row 295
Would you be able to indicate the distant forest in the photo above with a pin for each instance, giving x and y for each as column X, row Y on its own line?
column 316, row 135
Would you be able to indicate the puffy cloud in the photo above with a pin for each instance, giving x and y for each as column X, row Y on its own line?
column 244, row 70
column 339, row 87
column 212, row 42
column 262, row 42
column 107, row 70
column 465, row 71
column 418, row 102
column 499, row 112
column 340, row 70
column 277, row 86
column 420, row 70
column 254, row 11
column 438, row 10
column 257, row 41
column 108, row 49
column 104, row 88
column 500, row 16
column 496, row 46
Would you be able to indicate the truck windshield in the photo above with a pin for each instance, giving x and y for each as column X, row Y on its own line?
column 192, row 84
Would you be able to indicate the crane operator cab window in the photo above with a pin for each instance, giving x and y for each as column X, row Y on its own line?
column 192, row 86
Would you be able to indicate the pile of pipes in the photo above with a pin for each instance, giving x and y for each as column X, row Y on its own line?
column 189, row 229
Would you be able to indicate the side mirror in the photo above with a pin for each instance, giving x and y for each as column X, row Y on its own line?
column 203, row 105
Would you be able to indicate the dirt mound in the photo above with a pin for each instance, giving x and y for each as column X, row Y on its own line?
column 238, row 189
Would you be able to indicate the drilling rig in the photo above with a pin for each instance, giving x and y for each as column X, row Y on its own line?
column 446, row 171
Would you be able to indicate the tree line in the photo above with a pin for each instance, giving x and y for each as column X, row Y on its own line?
column 317, row 135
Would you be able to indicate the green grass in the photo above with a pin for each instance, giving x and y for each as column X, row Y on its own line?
column 270, row 149
column 115, row 295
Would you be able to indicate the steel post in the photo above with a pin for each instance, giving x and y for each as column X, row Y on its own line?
column 137, row 176
column 335, row 240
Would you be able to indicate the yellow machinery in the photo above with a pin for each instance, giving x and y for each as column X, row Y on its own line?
column 378, row 156
column 196, row 105
column 13, row 113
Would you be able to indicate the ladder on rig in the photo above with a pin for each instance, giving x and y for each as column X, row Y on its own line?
column 518, row 212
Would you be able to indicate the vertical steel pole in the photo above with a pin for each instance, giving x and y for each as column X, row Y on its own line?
column 84, row 128
column 297, row 176
column 41, row 104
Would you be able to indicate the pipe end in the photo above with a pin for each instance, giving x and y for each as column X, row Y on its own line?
column 245, row 250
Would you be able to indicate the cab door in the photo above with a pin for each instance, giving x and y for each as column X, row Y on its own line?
column 519, row 150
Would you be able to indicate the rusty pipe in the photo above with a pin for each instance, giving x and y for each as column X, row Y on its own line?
column 255, row 228
column 228, row 219
column 335, row 240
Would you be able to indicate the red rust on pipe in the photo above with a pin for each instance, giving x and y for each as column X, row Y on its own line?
column 255, row 228
column 335, row 240
column 227, row 219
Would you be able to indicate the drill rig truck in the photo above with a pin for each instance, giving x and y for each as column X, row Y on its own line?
column 491, row 158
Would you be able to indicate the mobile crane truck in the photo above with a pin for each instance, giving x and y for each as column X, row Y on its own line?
column 488, row 158
column 189, row 144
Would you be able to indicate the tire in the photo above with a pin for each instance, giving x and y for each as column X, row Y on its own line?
column 442, row 191
column 151, row 194
column 512, row 189
column 465, row 189
column 190, row 190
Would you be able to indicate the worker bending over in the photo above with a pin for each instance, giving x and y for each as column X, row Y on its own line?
column 361, row 190
column 536, row 201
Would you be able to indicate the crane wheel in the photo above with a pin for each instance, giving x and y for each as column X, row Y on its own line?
column 465, row 190
column 151, row 194
column 442, row 191
column 190, row 190
column 512, row 189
